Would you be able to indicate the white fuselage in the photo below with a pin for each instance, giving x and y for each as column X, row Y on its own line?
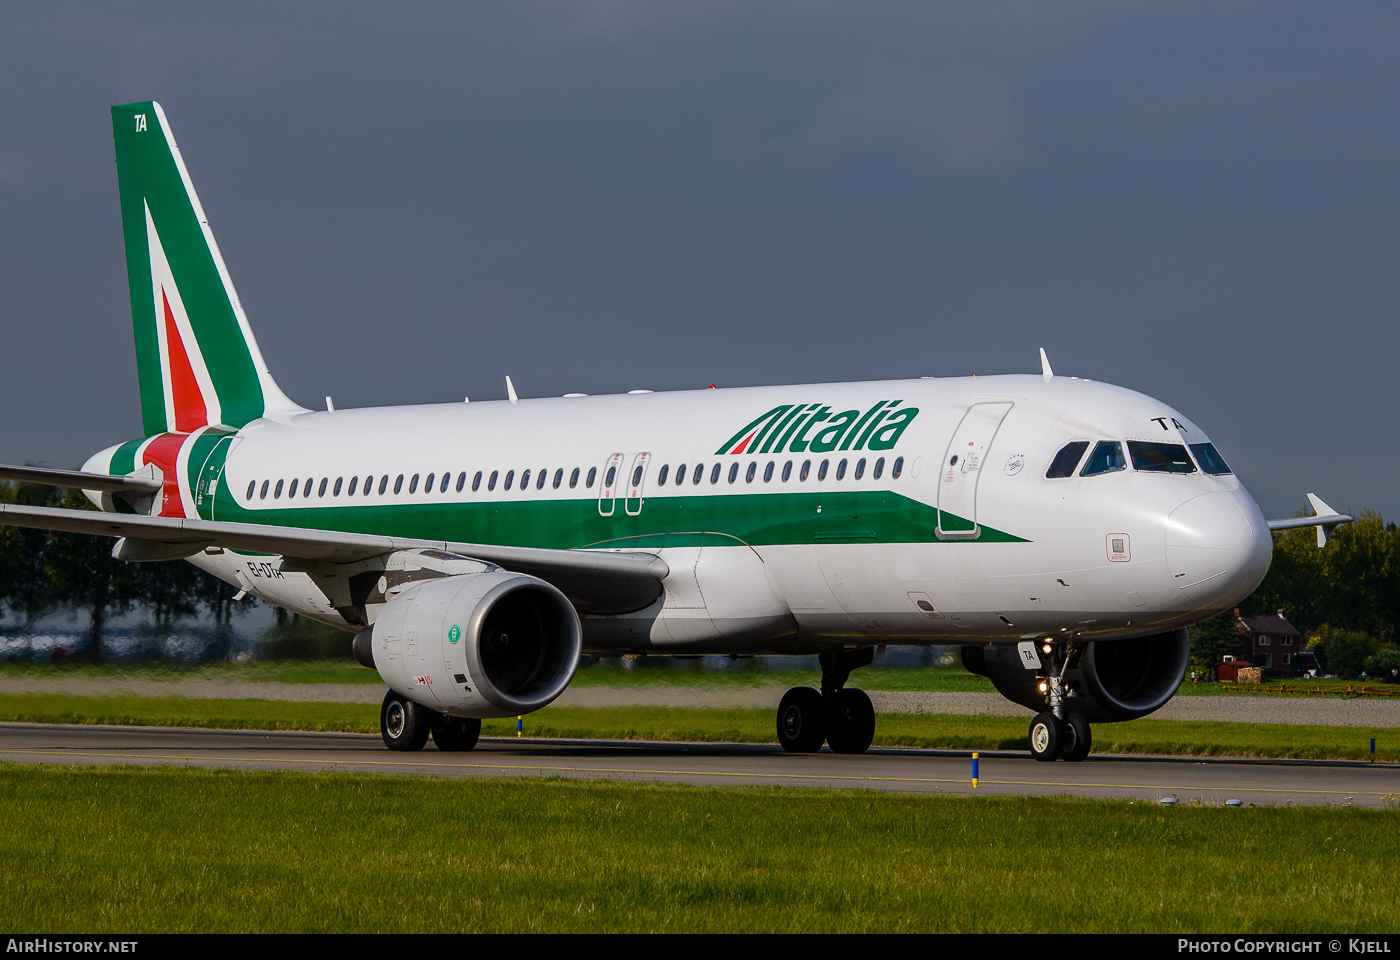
column 774, row 564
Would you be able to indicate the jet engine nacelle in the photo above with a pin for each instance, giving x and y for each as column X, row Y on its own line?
column 1112, row 680
column 494, row 644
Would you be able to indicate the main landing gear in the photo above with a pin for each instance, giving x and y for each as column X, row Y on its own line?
column 838, row 715
column 406, row 725
column 1058, row 734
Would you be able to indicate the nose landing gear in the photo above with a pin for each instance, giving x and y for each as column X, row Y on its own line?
column 1059, row 734
column 839, row 715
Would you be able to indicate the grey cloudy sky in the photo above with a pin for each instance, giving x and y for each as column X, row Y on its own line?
column 1197, row 200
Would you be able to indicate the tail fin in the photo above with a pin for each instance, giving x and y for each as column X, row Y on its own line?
column 195, row 353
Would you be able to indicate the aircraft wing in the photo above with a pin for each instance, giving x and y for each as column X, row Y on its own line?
column 593, row 580
column 1326, row 520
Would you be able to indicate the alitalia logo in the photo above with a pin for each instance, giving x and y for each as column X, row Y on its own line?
column 797, row 428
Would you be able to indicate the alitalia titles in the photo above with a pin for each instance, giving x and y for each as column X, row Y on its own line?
column 798, row 428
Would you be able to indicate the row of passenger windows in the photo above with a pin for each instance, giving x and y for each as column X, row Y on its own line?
column 1146, row 456
column 441, row 483
column 430, row 484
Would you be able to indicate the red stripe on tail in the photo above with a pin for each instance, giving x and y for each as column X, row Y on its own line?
column 164, row 452
column 190, row 413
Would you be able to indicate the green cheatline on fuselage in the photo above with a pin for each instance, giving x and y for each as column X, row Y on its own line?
column 759, row 519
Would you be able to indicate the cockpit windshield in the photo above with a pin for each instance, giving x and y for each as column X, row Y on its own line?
column 1066, row 460
column 1106, row 458
column 1160, row 457
column 1210, row 459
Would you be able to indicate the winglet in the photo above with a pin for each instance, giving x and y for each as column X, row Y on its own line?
column 1045, row 372
column 510, row 390
column 1325, row 519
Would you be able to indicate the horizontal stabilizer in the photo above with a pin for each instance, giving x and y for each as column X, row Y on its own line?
column 593, row 580
column 1326, row 520
column 77, row 480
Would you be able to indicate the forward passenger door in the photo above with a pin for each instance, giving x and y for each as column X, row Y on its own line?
column 962, row 468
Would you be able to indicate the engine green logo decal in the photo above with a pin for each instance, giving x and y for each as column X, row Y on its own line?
column 454, row 634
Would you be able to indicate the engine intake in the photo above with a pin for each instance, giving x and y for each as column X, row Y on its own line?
column 494, row 644
column 1113, row 680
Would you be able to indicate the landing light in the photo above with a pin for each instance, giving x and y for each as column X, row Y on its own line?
column 1046, row 649
column 1042, row 688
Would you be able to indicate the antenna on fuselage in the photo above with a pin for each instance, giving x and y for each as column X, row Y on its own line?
column 510, row 390
column 1045, row 372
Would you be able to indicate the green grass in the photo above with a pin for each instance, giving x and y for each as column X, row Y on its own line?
column 164, row 850
column 256, row 671
column 720, row 725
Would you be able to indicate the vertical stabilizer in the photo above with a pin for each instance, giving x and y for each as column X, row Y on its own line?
column 195, row 353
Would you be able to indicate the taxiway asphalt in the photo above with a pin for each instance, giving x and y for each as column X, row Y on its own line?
column 1189, row 779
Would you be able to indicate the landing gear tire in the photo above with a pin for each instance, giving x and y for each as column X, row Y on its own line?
column 1046, row 735
column 402, row 723
column 1076, row 738
column 457, row 734
column 851, row 725
column 802, row 720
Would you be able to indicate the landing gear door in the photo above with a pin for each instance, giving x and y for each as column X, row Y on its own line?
column 635, row 478
column 607, row 488
column 962, row 467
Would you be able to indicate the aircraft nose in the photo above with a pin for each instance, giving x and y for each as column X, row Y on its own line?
column 1218, row 548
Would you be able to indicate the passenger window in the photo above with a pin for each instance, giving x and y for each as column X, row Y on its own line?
column 592, row 475
column 637, row 477
column 1160, row 457
column 860, row 468
column 384, row 484
column 680, row 475
column 749, row 474
column 252, row 486
column 1210, row 459
column 612, row 475
column 1106, row 458
column 398, row 484
column 510, row 479
column 821, row 471
column 524, row 481
column 841, row 470
column 541, row 478
column 354, row 484
column 661, row 477
column 879, row 468
column 491, row 484
column 412, row 485
column 733, row 472
column 714, row 473
column 277, row 491
column 446, row 479
column 292, row 491
column 335, row 492
column 573, row 479
column 897, row 469
column 428, row 483
column 306, row 490
column 787, row 471
column 1066, row 460
column 558, row 477
column 698, row 475
column 476, row 482
column 806, row 471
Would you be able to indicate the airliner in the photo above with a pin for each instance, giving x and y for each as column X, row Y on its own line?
column 1061, row 532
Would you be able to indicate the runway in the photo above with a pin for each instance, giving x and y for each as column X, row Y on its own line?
column 1190, row 780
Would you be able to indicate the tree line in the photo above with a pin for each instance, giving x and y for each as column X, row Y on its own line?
column 42, row 571
column 1344, row 598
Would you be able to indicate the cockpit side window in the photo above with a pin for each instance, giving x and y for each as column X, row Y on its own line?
column 1106, row 458
column 1210, row 459
column 1066, row 460
column 1160, row 457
